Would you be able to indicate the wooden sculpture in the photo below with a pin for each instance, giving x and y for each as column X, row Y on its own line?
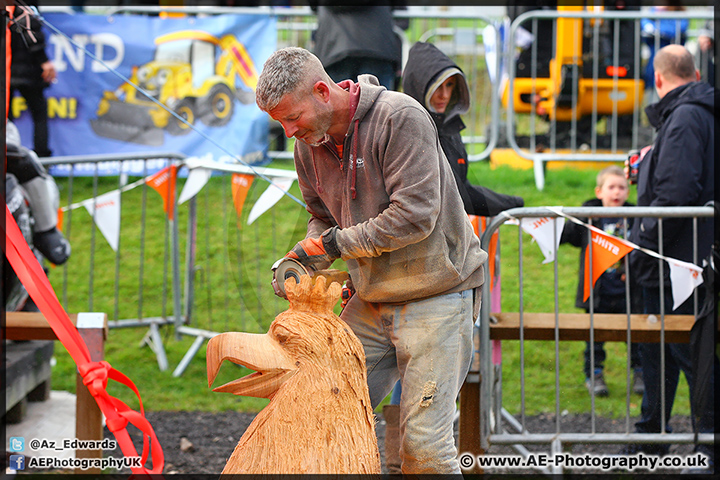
column 312, row 368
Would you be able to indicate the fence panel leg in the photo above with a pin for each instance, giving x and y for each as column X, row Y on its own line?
column 153, row 340
column 180, row 369
column 539, row 169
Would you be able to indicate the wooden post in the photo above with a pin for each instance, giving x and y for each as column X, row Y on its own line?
column 88, row 417
column 469, row 423
column 93, row 329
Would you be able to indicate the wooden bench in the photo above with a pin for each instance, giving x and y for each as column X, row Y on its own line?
column 571, row 326
column 27, row 376
column 608, row 327
column 93, row 329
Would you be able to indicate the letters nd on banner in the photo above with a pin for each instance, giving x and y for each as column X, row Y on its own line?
column 203, row 69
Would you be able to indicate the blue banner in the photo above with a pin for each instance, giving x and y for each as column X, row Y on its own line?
column 202, row 69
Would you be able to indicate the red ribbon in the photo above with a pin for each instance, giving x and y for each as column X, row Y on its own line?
column 94, row 374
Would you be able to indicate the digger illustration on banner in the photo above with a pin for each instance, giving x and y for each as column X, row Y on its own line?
column 125, row 82
column 185, row 76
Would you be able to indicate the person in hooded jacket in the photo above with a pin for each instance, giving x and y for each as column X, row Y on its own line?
column 678, row 171
column 434, row 80
column 382, row 197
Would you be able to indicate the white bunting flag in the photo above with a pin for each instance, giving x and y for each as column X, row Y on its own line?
column 684, row 277
column 270, row 197
column 196, row 180
column 107, row 216
column 541, row 229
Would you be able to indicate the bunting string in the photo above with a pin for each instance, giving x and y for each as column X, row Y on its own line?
column 558, row 211
column 105, row 208
column 122, row 189
column 684, row 276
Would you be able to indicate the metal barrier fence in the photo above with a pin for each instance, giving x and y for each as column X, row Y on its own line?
column 224, row 281
column 577, row 93
column 144, row 288
column 501, row 427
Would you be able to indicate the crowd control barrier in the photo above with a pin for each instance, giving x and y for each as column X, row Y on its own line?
column 544, row 336
column 577, row 87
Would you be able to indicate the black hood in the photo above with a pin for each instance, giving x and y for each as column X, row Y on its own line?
column 699, row 93
column 426, row 65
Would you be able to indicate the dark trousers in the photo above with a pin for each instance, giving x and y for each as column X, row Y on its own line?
column 677, row 358
column 37, row 105
column 608, row 305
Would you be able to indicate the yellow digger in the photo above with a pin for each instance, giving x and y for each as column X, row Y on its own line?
column 194, row 74
column 565, row 88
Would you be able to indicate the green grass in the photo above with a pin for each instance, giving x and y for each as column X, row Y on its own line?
column 233, row 293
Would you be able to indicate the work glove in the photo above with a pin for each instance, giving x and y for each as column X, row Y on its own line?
column 317, row 253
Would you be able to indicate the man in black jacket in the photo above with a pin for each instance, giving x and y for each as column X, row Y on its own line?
column 679, row 171
column 352, row 39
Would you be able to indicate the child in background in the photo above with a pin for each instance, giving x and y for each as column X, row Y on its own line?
column 609, row 292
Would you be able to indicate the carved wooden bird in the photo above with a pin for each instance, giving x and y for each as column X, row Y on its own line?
column 312, row 368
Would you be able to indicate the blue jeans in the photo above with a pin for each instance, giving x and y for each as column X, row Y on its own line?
column 677, row 358
column 428, row 346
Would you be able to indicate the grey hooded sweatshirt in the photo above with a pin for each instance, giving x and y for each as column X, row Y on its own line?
column 403, row 230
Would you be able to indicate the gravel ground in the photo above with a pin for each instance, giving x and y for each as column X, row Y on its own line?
column 211, row 437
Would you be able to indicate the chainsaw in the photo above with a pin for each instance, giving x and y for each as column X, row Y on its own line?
column 290, row 268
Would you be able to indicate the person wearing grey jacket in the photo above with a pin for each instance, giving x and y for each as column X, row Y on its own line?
column 381, row 196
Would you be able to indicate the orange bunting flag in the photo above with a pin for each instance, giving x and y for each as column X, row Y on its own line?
column 241, row 183
column 163, row 182
column 607, row 250
column 479, row 225
column 60, row 215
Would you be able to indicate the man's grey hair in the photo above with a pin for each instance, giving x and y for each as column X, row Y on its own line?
column 285, row 72
column 675, row 62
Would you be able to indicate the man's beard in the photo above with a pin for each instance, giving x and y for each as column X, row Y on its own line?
column 323, row 124
column 319, row 142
